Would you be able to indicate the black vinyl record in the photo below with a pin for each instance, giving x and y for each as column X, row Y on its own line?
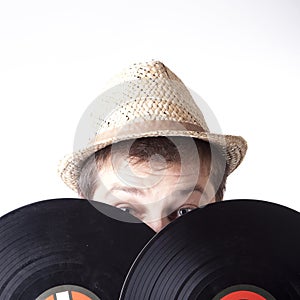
column 237, row 249
column 59, row 243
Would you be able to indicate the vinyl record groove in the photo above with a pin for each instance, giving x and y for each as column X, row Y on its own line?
column 67, row 242
column 221, row 248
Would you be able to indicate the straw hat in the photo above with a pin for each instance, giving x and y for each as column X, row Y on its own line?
column 145, row 100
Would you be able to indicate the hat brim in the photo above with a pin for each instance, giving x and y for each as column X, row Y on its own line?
column 234, row 147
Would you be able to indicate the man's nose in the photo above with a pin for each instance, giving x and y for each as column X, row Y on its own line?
column 158, row 224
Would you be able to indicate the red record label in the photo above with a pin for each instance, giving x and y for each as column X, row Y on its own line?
column 244, row 292
column 243, row 295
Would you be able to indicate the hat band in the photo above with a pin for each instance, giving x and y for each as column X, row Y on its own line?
column 140, row 129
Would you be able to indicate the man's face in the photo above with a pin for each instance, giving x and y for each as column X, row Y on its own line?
column 155, row 194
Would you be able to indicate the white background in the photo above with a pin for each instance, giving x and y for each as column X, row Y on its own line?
column 241, row 57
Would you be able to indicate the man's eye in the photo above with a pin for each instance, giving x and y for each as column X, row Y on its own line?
column 180, row 212
column 184, row 210
column 126, row 209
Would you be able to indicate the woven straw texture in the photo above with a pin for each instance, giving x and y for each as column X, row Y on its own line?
column 145, row 100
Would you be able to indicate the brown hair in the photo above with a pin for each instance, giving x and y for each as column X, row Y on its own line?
column 142, row 149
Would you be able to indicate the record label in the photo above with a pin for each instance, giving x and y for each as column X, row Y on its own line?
column 68, row 292
column 243, row 295
column 244, row 291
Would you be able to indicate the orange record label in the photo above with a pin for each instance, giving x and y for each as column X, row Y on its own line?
column 68, row 292
column 68, row 296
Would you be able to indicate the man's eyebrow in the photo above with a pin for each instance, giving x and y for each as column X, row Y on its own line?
column 197, row 188
column 126, row 189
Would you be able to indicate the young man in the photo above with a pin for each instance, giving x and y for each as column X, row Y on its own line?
column 144, row 146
